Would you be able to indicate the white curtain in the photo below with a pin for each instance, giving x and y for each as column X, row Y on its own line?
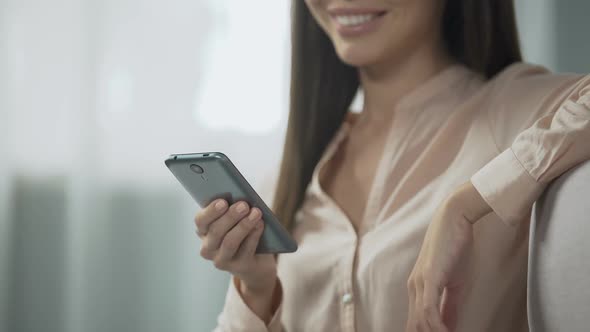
column 95, row 234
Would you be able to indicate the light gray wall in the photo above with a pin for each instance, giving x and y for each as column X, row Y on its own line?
column 554, row 33
column 536, row 24
column 572, row 37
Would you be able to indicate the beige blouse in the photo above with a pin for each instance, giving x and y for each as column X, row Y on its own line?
column 510, row 135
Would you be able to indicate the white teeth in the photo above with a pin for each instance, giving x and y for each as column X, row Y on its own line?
column 351, row 20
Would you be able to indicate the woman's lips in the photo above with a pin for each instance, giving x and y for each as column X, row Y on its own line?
column 356, row 22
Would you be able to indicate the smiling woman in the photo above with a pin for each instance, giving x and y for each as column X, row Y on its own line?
column 412, row 215
column 318, row 58
column 96, row 236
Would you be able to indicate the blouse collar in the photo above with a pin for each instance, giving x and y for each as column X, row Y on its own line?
column 437, row 86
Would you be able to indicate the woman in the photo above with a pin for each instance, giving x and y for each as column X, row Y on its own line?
column 414, row 214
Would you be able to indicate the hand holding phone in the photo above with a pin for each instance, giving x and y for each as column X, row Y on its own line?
column 234, row 225
column 211, row 176
column 230, row 235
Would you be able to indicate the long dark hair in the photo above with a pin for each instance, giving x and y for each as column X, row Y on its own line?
column 481, row 34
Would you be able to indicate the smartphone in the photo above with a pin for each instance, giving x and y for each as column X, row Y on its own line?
column 211, row 175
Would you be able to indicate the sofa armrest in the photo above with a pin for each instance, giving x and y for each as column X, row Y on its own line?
column 559, row 255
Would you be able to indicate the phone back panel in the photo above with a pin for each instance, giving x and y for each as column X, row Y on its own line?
column 221, row 179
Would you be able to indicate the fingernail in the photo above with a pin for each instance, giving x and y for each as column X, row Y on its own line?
column 253, row 215
column 220, row 205
column 241, row 207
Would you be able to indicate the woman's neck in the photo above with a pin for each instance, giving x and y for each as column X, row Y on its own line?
column 385, row 84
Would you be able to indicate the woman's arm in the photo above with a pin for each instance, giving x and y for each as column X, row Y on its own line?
column 557, row 138
column 555, row 114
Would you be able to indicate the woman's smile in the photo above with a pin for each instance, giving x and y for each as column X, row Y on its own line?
column 353, row 22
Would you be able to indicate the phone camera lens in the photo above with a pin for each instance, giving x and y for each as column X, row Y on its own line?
column 197, row 169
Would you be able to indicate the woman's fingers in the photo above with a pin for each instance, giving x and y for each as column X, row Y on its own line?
column 248, row 248
column 230, row 243
column 219, row 228
column 235, row 237
column 411, row 322
column 419, row 323
column 449, row 306
column 431, row 307
column 210, row 213
column 424, row 306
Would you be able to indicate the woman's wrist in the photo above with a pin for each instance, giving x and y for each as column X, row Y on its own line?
column 260, row 290
column 260, row 299
column 468, row 201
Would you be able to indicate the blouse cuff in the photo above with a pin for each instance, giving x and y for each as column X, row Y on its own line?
column 237, row 316
column 507, row 187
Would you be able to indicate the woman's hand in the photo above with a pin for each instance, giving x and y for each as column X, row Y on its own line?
column 439, row 275
column 229, row 237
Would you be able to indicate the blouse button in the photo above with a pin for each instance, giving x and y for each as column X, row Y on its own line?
column 347, row 298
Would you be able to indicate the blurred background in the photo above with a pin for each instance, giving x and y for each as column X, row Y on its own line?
column 95, row 233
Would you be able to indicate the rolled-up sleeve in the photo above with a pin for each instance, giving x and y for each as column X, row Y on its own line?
column 555, row 114
column 237, row 316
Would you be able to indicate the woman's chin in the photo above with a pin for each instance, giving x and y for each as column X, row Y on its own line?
column 357, row 57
